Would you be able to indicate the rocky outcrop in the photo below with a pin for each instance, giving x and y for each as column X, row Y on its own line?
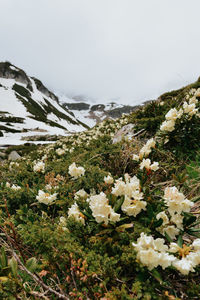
column 14, row 156
column 126, row 132
column 9, row 71
column 40, row 86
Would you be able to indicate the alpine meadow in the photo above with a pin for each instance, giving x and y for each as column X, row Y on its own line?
column 111, row 212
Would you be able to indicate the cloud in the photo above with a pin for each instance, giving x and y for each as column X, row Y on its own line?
column 127, row 49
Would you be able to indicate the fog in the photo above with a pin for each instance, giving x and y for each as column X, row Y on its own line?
column 124, row 50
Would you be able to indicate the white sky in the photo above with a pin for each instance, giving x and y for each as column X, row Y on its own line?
column 128, row 49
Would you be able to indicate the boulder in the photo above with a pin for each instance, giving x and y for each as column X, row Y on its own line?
column 14, row 156
column 126, row 132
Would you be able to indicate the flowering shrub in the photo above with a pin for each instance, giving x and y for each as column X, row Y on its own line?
column 84, row 218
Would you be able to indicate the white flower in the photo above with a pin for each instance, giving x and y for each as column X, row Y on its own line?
column 108, row 179
column 166, row 260
column 46, row 198
column 176, row 201
column 184, row 266
column 154, row 166
column 114, row 217
column 60, row 151
column 193, row 100
column 174, row 248
column 15, row 187
column 80, row 194
column 178, row 220
column 152, row 253
column 146, row 163
column 75, row 212
column 171, row 230
column 39, row 167
column 75, row 171
column 119, row 188
column 101, row 210
column 146, row 149
column 172, row 114
column 168, row 125
column 63, row 223
column 196, row 244
column 135, row 157
column 162, row 215
column 172, row 193
column 189, row 108
column 133, row 207
column 149, row 258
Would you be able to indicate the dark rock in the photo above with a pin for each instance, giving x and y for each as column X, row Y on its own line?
column 9, row 71
column 77, row 106
column 98, row 107
column 40, row 86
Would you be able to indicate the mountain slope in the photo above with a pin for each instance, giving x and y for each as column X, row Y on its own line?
column 27, row 105
column 87, row 218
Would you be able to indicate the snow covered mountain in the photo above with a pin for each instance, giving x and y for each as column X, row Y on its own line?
column 28, row 107
column 91, row 113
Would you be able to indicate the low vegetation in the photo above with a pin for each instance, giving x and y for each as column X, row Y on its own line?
column 86, row 218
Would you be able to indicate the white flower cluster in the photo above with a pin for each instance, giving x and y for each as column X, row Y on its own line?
column 46, row 198
column 153, row 253
column 85, row 138
column 108, row 179
column 145, row 150
column 63, row 223
column 190, row 256
column 75, row 171
column 75, row 212
column 60, row 151
column 39, row 167
column 176, row 204
column 188, row 108
column 101, row 210
column 146, row 163
column 80, row 194
column 13, row 186
column 130, row 189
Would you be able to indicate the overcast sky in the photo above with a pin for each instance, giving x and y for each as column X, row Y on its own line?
column 132, row 50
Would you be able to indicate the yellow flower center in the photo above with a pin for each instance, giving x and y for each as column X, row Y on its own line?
column 184, row 251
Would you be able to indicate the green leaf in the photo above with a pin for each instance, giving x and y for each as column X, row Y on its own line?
column 157, row 275
column 118, row 204
column 168, row 238
column 180, row 241
column 31, row 264
column 157, row 223
column 188, row 219
column 14, row 266
column 3, row 258
column 150, row 211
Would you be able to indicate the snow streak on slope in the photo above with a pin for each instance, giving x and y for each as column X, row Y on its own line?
column 25, row 108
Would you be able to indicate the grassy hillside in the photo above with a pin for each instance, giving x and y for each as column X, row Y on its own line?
column 85, row 218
